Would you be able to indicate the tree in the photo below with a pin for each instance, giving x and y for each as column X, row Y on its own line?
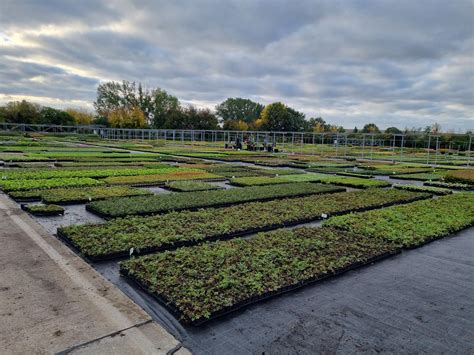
column 49, row 115
column 317, row 125
column 81, row 117
column 393, row 130
column 436, row 128
column 191, row 118
column 238, row 109
column 127, row 118
column 155, row 104
column 279, row 117
column 162, row 104
column 21, row 112
column 296, row 121
column 201, row 118
column 101, row 121
column 236, row 125
column 3, row 116
column 370, row 128
column 355, row 130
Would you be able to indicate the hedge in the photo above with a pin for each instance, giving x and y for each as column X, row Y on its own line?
column 119, row 207
column 146, row 234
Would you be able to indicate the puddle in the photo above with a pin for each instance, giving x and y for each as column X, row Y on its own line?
column 73, row 214
column 399, row 181
column 223, row 184
column 157, row 190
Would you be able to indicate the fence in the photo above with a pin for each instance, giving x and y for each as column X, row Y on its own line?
column 409, row 147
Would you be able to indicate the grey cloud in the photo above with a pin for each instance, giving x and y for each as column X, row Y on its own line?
column 394, row 62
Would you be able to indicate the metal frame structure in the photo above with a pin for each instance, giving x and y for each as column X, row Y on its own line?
column 290, row 140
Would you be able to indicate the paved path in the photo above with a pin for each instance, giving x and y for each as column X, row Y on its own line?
column 52, row 301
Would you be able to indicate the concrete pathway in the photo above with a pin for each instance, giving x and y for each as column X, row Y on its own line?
column 51, row 301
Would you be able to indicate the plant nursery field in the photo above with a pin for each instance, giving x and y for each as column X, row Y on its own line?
column 202, row 231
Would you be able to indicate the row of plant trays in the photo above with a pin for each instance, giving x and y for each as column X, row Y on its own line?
column 172, row 308
column 92, row 209
column 44, row 210
column 187, row 243
column 163, row 183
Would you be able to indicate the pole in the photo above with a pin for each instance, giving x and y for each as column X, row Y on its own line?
column 429, row 144
column 345, row 145
column 401, row 148
column 363, row 145
column 372, row 148
column 469, row 151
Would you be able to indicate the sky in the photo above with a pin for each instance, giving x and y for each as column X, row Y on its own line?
column 397, row 63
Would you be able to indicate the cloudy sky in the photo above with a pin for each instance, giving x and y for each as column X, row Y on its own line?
column 403, row 62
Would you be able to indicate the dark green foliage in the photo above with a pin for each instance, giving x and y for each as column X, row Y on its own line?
column 44, row 210
column 187, row 186
column 412, row 224
column 434, row 190
column 120, row 207
column 239, row 109
column 165, row 231
column 199, row 282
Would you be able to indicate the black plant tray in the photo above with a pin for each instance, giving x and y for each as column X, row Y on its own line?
column 41, row 214
column 107, row 217
column 185, row 243
column 178, row 315
column 26, row 199
column 410, row 178
column 203, row 189
column 162, row 183
column 82, row 201
column 429, row 240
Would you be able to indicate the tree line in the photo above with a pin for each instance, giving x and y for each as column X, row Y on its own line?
column 129, row 105
column 31, row 113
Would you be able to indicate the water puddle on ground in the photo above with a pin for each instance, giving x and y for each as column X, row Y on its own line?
column 399, row 181
column 73, row 214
